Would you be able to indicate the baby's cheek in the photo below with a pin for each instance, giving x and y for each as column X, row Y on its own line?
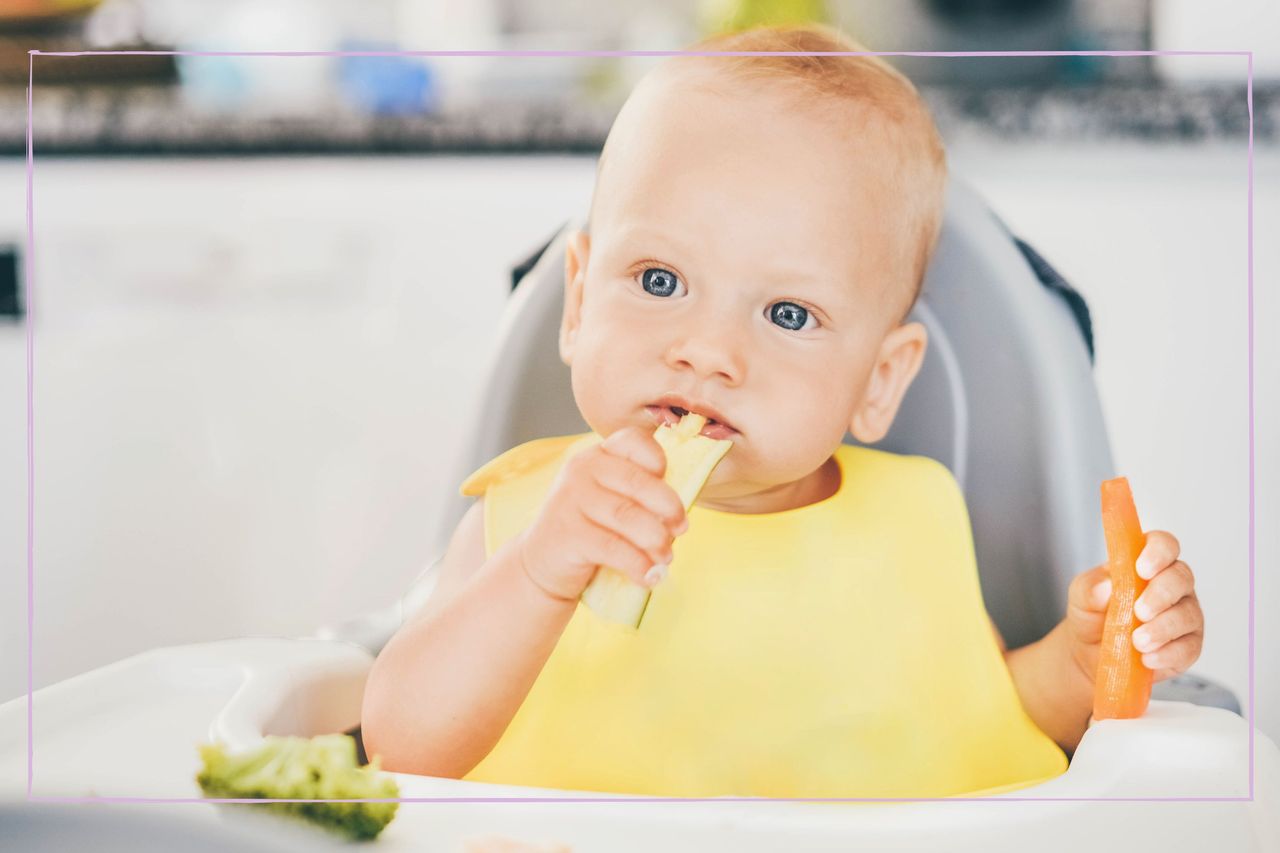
column 820, row 422
column 776, row 457
column 605, row 392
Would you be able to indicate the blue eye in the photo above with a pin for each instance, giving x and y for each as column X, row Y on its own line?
column 658, row 281
column 789, row 315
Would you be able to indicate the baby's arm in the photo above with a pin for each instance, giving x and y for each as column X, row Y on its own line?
column 448, row 683
column 444, row 688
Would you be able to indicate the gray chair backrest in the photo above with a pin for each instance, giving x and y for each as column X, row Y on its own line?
column 1005, row 399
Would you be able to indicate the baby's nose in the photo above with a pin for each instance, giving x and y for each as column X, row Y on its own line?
column 708, row 355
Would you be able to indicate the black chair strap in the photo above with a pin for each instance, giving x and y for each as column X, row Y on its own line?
column 1053, row 280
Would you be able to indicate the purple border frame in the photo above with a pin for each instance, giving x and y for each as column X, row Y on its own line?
column 28, row 287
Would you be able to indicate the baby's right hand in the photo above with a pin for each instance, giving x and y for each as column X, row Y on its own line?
column 609, row 506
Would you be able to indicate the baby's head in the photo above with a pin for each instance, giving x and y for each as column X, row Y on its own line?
column 759, row 231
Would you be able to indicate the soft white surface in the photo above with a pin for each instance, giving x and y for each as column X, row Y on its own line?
column 156, row 706
column 250, row 376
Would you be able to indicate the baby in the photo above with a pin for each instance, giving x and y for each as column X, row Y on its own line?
column 759, row 231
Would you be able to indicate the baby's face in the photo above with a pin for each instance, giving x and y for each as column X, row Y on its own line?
column 736, row 261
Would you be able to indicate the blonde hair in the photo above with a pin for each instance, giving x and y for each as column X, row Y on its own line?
column 889, row 106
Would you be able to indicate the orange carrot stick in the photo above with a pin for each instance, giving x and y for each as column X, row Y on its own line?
column 1123, row 685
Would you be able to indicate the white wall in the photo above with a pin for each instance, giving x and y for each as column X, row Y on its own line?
column 251, row 375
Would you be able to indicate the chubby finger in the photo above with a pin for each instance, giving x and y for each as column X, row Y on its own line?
column 638, row 446
column 1177, row 656
column 605, row 547
column 1090, row 591
column 1167, row 588
column 631, row 521
column 1182, row 618
column 1161, row 549
column 638, row 484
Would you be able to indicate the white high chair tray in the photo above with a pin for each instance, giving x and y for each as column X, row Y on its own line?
column 130, row 730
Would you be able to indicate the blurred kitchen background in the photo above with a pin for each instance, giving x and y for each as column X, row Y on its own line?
column 264, row 287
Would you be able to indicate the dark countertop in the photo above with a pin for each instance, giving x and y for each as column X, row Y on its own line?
column 143, row 120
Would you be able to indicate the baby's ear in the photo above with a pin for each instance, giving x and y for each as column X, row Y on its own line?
column 577, row 248
column 899, row 360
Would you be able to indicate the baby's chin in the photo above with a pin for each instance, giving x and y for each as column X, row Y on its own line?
column 734, row 479
column 733, row 495
column 745, row 487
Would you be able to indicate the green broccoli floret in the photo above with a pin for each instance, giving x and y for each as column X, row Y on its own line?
column 299, row 768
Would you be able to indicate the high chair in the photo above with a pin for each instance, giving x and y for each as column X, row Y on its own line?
column 1005, row 399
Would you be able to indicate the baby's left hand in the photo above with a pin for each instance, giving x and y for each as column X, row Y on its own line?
column 1172, row 629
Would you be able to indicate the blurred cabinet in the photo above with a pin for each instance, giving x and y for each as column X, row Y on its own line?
column 250, row 378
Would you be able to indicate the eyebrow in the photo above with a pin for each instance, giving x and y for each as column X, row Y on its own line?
column 828, row 287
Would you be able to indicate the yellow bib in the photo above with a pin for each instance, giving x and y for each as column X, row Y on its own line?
column 839, row 649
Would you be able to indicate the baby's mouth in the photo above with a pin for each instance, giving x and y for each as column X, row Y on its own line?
column 671, row 415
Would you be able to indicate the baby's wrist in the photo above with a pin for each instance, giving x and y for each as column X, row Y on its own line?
column 540, row 588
